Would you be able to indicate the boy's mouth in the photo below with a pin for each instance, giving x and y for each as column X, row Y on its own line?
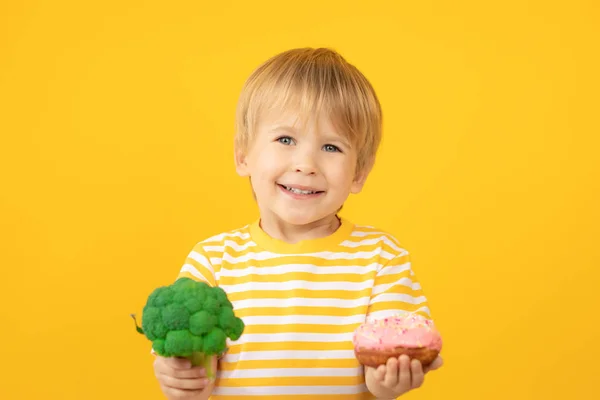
column 297, row 190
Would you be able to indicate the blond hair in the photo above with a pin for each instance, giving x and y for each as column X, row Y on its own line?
column 316, row 80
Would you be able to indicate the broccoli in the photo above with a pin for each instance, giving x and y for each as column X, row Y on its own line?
column 189, row 319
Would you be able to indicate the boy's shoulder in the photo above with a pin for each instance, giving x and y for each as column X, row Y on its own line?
column 239, row 234
column 374, row 235
column 364, row 230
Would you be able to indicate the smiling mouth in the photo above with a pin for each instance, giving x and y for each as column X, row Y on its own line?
column 300, row 191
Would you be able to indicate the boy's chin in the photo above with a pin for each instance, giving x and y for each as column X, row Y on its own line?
column 301, row 219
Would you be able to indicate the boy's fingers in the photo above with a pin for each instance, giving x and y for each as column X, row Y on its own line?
column 404, row 371
column 178, row 363
column 192, row 373
column 163, row 367
column 437, row 363
column 172, row 393
column 183, row 384
column 172, row 362
column 416, row 372
column 379, row 373
column 391, row 373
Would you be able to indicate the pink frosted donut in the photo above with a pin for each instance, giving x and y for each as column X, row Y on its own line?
column 412, row 334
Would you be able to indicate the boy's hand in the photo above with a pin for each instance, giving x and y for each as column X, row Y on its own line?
column 178, row 380
column 398, row 376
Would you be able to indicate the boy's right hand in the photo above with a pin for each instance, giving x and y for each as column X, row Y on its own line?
column 179, row 381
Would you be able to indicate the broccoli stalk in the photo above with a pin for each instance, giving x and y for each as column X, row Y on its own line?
column 198, row 358
column 189, row 319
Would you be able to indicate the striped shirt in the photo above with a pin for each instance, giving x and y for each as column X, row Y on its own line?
column 300, row 304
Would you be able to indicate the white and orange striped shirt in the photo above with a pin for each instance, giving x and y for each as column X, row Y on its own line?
column 301, row 304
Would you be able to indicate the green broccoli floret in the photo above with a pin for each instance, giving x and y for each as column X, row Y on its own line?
column 202, row 322
column 189, row 319
column 221, row 297
column 214, row 341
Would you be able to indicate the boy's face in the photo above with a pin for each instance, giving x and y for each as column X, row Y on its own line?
column 300, row 174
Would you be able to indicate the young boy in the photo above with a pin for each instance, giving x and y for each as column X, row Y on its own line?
column 301, row 277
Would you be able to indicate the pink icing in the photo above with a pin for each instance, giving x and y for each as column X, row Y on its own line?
column 411, row 330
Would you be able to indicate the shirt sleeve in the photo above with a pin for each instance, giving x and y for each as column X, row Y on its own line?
column 197, row 266
column 396, row 290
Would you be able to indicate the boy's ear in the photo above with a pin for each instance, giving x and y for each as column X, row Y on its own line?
column 360, row 178
column 241, row 165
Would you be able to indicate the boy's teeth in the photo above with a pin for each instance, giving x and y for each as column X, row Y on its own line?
column 298, row 191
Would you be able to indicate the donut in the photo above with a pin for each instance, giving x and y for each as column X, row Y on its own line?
column 411, row 334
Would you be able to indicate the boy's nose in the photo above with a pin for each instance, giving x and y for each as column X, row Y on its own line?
column 306, row 169
column 303, row 161
column 305, row 165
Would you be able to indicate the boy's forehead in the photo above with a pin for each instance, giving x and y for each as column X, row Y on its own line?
column 294, row 120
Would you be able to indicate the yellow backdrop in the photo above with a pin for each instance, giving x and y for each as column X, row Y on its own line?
column 116, row 121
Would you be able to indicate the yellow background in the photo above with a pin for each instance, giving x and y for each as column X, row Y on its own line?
column 116, row 122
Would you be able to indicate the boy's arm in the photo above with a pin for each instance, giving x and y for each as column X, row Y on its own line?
column 396, row 290
column 197, row 266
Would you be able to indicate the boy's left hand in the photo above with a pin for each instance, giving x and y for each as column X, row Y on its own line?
column 398, row 376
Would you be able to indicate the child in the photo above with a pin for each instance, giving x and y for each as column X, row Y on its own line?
column 302, row 278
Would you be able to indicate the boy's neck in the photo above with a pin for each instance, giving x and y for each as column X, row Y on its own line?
column 288, row 233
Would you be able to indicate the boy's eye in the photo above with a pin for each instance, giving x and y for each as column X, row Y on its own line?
column 285, row 140
column 331, row 148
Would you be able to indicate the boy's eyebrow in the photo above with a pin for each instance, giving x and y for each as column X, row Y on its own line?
column 338, row 138
column 285, row 128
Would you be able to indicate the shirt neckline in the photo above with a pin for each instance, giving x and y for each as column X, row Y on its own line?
column 263, row 240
